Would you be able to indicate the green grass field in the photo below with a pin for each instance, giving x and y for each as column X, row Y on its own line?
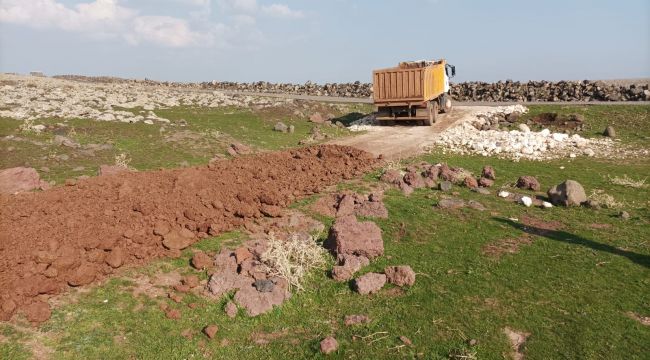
column 574, row 289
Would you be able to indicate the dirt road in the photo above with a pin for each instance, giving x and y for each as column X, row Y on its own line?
column 400, row 141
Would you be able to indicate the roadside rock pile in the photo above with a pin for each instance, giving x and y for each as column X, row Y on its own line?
column 480, row 136
column 548, row 91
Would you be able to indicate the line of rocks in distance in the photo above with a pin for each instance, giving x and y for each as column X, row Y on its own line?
column 502, row 91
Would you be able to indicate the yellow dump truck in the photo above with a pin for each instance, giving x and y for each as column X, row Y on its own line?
column 414, row 90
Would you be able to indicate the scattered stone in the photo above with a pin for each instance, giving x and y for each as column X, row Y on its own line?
column 349, row 236
column 19, row 179
column 445, row 186
column 414, row 179
column 281, row 127
column 316, row 118
column 525, row 200
column 476, row 205
column 503, row 194
column 210, row 331
column 547, row 204
column 624, row 215
column 568, row 193
column 451, row 203
column 470, row 182
column 369, row 283
column 485, row 182
column 401, row 275
column 488, row 173
column 482, row 191
column 329, row 345
column 292, row 129
column 610, row 132
column 356, row 320
column 392, row 177
column 524, row 128
column 528, row 183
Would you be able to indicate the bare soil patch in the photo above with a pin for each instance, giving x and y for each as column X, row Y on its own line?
column 644, row 320
column 506, row 246
column 540, row 227
column 75, row 235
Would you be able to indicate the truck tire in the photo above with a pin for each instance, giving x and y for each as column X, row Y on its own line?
column 433, row 113
column 446, row 104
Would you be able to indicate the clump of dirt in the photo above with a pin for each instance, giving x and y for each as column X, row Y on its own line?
column 75, row 235
column 572, row 122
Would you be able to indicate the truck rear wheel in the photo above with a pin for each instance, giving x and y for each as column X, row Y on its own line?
column 433, row 113
column 446, row 104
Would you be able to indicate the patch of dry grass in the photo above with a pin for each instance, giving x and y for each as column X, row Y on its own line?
column 122, row 160
column 294, row 258
column 605, row 200
column 627, row 181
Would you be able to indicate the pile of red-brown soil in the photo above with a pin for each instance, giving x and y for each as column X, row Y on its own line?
column 84, row 231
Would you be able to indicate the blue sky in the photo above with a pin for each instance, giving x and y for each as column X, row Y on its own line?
column 325, row 40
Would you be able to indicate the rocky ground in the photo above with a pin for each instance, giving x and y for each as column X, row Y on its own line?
column 31, row 98
column 490, row 232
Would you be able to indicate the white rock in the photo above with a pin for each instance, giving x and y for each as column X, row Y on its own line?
column 526, row 201
column 524, row 128
column 504, row 194
column 547, row 204
column 148, row 122
column 589, row 152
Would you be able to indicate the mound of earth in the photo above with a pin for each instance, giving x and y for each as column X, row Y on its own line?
column 77, row 234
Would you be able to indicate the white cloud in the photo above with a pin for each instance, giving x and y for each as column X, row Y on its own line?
column 252, row 7
column 166, row 31
column 105, row 18
column 280, row 10
column 101, row 19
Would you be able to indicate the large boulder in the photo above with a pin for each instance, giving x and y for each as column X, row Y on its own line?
column 568, row 193
column 20, row 179
column 349, row 236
